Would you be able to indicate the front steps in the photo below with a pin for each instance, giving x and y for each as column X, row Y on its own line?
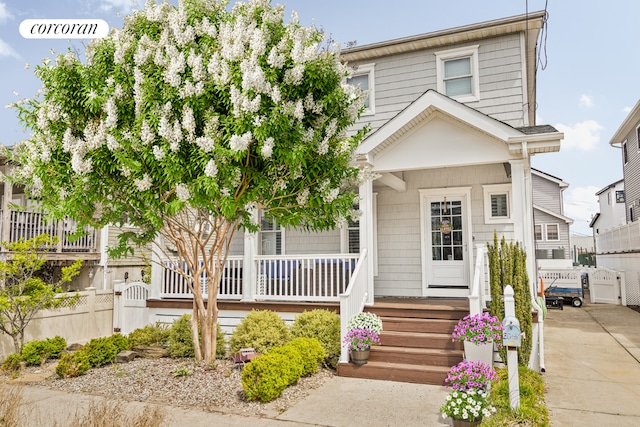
column 416, row 342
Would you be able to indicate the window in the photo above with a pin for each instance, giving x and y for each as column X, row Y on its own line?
column 638, row 136
column 625, row 158
column 538, row 232
column 353, row 236
column 619, row 196
column 457, row 73
column 363, row 76
column 552, row 232
column 497, row 203
column 271, row 237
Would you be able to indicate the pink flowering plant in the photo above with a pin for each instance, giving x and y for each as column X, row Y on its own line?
column 479, row 329
column 360, row 339
column 468, row 375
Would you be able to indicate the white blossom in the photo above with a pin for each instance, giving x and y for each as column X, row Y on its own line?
column 298, row 111
column 112, row 143
column 158, row 152
column 293, row 76
column 81, row 165
column 143, row 184
column 211, row 169
column 182, row 192
column 189, row 122
column 267, row 147
column 303, row 197
column 112, row 113
column 146, row 133
column 206, row 144
column 240, row 143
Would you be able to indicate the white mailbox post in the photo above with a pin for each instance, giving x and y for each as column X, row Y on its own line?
column 511, row 339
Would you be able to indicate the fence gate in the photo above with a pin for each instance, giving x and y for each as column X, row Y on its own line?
column 130, row 306
column 605, row 286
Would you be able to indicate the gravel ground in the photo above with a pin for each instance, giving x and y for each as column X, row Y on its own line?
column 216, row 389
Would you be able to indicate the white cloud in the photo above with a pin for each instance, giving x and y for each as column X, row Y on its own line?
column 4, row 13
column 124, row 6
column 580, row 204
column 586, row 101
column 627, row 110
column 6, row 50
column 581, row 136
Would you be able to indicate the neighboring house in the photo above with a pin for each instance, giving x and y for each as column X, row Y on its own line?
column 23, row 218
column 612, row 213
column 551, row 229
column 617, row 240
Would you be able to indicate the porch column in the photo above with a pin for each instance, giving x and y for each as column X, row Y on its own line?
column 366, row 234
column 521, row 193
column 249, row 274
column 6, row 217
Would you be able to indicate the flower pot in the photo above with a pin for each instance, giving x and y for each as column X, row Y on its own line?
column 359, row 357
column 465, row 423
column 479, row 352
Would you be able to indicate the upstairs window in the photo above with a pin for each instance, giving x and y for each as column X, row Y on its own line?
column 625, row 158
column 457, row 73
column 363, row 76
column 538, row 232
column 638, row 136
column 552, row 232
column 619, row 196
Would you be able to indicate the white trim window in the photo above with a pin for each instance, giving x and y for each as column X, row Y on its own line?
column 538, row 232
column 458, row 73
column 625, row 155
column 271, row 236
column 497, row 203
column 363, row 76
column 547, row 232
column 638, row 136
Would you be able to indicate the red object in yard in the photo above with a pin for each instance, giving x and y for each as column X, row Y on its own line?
column 245, row 355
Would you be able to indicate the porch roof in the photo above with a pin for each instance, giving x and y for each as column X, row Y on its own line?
column 520, row 142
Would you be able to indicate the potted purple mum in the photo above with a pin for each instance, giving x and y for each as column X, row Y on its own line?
column 479, row 332
column 359, row 342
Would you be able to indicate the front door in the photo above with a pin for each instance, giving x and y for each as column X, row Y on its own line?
column 446, row 254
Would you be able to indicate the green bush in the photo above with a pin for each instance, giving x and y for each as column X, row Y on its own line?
column 73, row 364
column 102, row 351
column 260, row 330
column 37, row 352
column 324, row 326
column 151, row 335
column 12, row 363
column 295, row 363
column 311, row 351
column 266, row 377
column 180, row 338
column 221, row 344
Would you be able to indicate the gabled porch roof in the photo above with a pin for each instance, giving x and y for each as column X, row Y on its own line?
column 432, row 116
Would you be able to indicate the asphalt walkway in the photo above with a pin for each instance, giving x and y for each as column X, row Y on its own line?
column 592, row 376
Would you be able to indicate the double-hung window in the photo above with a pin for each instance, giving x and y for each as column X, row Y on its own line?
column 271, row 237
column 457, row 73
column 363, row 76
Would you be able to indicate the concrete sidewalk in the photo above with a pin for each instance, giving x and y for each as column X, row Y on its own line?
column 592, row 366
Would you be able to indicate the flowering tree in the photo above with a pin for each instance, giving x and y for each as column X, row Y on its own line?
column 184, row 124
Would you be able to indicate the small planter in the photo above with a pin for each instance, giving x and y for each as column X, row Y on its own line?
column 479, row 352
column 359, row 357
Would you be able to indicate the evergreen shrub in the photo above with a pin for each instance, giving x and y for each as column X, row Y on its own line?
column 324, row 326
column 150, row 335
column 37, row 352
column 261, row 330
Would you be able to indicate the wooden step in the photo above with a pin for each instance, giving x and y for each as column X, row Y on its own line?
column 395, row 372
column 411, row 324
column 416, row 356
column 420, row 340
column 419, row 311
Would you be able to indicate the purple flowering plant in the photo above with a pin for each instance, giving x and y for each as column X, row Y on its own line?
column 479, row 329
column 359, row 339
column 468, row 375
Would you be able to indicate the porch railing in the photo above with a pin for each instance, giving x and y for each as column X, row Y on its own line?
column 28, row 224
column 480, row 291
column 316, row 278
column 353, row 299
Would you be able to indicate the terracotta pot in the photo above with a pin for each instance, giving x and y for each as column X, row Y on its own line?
column 359, row 357
column 465, row 423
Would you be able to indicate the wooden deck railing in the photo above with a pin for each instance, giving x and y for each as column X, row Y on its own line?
column 28, row 224
column 352, row 301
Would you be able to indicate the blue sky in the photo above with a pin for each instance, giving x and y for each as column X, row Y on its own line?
column 586, row 89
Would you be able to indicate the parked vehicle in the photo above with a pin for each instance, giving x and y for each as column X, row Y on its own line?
column 573, row 296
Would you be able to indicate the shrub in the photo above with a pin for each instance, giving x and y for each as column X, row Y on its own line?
column 311, row 351
column 102, row 351
column 180, row 338
column 261, row 330
column 295, row 362
column 324, row 326
column 73, row 364
column 37, row 352
column 120, row 341
column 12, row 363
column 152, row 335
column 266, row 377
